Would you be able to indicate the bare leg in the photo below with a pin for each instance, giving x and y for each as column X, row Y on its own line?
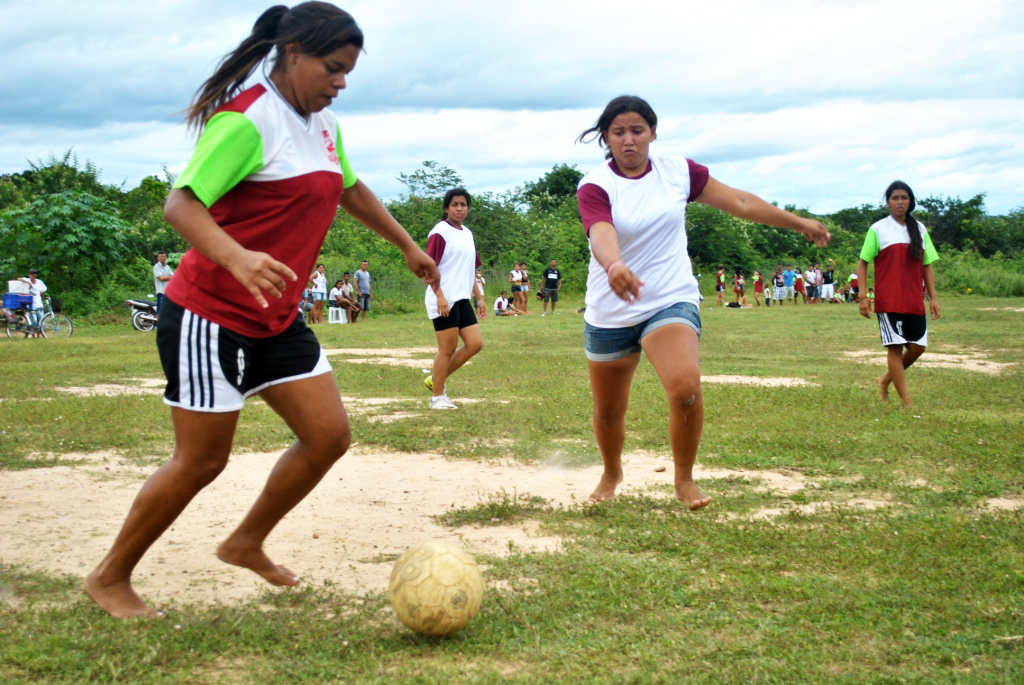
column 312, row 408
column 897, row 360
column 609, row 384
column 449, row 359
column 674, row 351
column 201, row 450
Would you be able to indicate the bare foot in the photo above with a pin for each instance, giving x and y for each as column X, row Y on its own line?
column 117, row 599
column 883, row 387
column 906, row 403
column 688, row 492
column 257, row 562
column 606, row 488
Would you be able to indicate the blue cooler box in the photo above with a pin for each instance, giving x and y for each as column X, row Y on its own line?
column 13, row 300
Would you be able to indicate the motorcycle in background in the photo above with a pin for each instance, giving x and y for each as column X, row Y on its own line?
column 143, row 314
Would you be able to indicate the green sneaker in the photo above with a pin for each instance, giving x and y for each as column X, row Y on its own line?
column 429, row 382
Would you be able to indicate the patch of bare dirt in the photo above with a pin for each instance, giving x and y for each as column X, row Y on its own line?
column 1006, row 503
column 972, row 361
column 755, row 380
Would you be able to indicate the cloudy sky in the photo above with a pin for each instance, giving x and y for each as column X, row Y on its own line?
column 817, row 103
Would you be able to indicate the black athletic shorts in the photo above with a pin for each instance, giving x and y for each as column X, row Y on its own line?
column 901, row 329
column 212, row 369
column 460, row 315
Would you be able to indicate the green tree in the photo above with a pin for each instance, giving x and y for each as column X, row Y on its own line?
column 553, row 187
column 72, row 237
column 433, row 180
column 951, row 221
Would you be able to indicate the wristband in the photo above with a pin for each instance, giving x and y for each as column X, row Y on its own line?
column 609, row 269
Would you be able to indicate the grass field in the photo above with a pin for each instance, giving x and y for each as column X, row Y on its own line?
column 926, row 585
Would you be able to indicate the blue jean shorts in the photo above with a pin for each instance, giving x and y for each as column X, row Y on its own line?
column 611, row 344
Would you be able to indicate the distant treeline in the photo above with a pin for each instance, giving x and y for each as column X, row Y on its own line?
column 95, row 243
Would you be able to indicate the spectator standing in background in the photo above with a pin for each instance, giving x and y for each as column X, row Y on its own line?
column 788, row 276
column 828, row 277
column 552, row 284
column 720, row 286
column 362, row 277
column 161, row 275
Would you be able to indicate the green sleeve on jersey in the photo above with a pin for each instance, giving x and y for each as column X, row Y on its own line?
column 229, row 149
column 870, row 249
column 930, row 255
column 346, row 168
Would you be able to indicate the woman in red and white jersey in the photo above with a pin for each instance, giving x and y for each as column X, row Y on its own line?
column 255, row 202
column 902, row 251
column 641, row 291
column 451, row 245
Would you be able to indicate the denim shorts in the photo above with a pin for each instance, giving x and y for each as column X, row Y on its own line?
column 611, row 344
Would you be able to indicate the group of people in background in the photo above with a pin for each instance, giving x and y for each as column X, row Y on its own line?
column 811, row 286
column 519, row 278
column 349, row 293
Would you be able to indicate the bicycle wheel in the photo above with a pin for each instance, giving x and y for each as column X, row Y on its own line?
column 18, row 328
column 143, row 321
column 56, row 326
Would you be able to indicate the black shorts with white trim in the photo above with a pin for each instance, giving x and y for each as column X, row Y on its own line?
column 212, row 369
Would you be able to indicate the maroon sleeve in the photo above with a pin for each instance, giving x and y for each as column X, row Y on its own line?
column 435, row 247
column 479, row 262
column 594, row 205
column 698, row 179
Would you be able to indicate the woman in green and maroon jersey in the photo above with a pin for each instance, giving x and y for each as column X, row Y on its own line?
column 903, row 254
column 255, row 202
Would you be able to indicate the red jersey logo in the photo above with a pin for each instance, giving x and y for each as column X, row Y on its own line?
column 332, row 152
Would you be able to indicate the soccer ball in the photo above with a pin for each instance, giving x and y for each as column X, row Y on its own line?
column 436, row 588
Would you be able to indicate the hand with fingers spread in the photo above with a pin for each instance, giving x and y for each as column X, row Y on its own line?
column 260, row 272
column 624, row 282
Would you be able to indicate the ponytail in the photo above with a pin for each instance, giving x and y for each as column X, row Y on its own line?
column 316, row 28
column 913, row 229
column 235, row 68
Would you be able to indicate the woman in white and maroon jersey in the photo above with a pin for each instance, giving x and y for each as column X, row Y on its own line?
column 450, row 244
column 255, row 202
column 902, row 251
column 641, row 292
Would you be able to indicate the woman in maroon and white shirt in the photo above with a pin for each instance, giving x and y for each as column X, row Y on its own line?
column 450, row 244
column 641, row 292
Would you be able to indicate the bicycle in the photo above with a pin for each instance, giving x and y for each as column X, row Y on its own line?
column 52, row 322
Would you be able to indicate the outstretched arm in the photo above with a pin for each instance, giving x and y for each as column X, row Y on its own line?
column 744, row 205
column 360, row 202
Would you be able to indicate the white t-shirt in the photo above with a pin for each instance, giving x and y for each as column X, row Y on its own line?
column 319, row 283
column 36, row 290
column 500, row 304
column 649, row 215
column 346, row 290
column 336, row 294
column 455, row 253
column 160, row 270
column 810, row 278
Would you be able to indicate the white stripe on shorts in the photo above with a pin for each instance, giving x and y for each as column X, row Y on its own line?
column 201, row 382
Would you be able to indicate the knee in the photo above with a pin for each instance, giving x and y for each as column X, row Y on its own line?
column 684, row 394
column 474, row 347
column 331, row 444
column 203, row 468
column 609, row 417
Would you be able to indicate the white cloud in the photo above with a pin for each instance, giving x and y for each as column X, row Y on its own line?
column 811, row 102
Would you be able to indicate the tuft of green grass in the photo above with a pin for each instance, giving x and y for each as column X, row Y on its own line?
column 500, row 508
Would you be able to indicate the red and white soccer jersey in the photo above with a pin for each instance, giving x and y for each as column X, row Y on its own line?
column 649, row 215
column 898, row 276
column 272, row 181
column 455, row 253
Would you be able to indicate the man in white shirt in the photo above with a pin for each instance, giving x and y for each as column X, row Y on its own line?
column 36, row 288
column 161, row 274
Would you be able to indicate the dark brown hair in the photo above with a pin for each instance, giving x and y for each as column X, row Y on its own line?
column 620, row 105
column 318, row 28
